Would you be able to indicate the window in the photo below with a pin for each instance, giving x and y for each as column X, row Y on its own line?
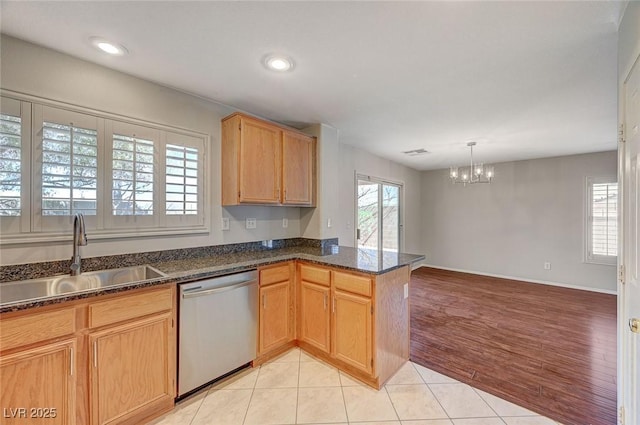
column 602, row 222
column 11, row 165
column 181, row 180
column 69, row 170
column 127, row 179
column 15, row 165
column 65, row 172
column 132, row 177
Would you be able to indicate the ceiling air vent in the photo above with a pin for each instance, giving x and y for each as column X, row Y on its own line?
column 416, row 152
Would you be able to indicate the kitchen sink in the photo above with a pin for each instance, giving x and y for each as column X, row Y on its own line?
column 32, row 289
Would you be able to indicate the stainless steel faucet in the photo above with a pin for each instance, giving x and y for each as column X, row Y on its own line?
column 79, row 239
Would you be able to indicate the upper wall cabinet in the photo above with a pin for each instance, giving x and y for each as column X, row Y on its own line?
column 298, row 153
column 263, row 163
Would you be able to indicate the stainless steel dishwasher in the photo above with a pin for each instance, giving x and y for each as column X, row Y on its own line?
column 218, row 328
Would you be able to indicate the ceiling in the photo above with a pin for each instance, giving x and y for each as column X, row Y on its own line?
column 522, row 79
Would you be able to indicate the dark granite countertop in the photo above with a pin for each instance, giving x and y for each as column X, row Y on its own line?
column 190, row 269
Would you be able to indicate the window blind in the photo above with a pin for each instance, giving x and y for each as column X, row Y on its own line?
column 604, row 219
column 181, row 180
column 132, row 183
column 69, row 170
column 10, row 165
column 56, row 161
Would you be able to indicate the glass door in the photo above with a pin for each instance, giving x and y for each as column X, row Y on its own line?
column 378, row 214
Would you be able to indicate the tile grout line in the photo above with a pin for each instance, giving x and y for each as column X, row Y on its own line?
column 251, row 397
column 344, row 400
column 535, row 415
column 431, row 391
column 485, row 402
column 298, row 388
column 200, row 405
column 476, row 391
column 392, row 404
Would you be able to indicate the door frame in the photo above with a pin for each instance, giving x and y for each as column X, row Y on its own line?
column 400, row 184
column 624, row 335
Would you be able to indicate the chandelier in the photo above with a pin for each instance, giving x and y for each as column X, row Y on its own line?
column 475, row 173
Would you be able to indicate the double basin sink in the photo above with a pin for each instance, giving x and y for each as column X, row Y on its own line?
column 46, row 287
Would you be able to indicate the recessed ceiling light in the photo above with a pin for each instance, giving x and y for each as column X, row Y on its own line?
column 109, row 46
column 278, row 63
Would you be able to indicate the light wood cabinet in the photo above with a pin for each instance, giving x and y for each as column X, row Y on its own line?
column 251, row 161
column 133, row 356
column 366, row 330
column 131, row 369
column 276, row 308
column 336, row 315
column 266, row 164
column 297, row 168
column 314, row 315
column 351, row 332
column 104, row 360
column 274, row 316
column 39, row 384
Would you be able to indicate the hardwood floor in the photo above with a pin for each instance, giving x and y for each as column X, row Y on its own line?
column 549, row 349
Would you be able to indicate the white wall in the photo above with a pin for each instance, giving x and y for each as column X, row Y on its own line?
column 628, row 40
column 338, row 164
column 314, row 221
column 533, row 212
column 37, row 71
column 353, row 160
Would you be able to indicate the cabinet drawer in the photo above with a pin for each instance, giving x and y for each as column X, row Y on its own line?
column 315, row 274
column 274, row 274
column 352, row 283
column 35, row 327
column 129, row 307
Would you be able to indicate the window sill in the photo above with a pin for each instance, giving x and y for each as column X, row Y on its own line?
column 40, row 238
column 602, row 261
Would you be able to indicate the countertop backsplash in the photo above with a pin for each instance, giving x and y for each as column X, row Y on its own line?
column 16, row 272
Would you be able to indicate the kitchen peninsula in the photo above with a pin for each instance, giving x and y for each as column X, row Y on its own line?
column 349, row 308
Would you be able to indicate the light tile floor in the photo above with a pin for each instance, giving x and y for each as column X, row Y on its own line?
column 296, row 388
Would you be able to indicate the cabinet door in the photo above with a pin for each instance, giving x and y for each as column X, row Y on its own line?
column 297, row 169
column 131, row 370
column 259, row 168
column 351, row 331
column 39, row 385
column 274, row 316
column 314, row 315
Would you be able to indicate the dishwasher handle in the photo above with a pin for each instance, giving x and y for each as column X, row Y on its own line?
column 219, row 289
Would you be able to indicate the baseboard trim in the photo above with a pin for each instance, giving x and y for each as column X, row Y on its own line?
column 542, row 282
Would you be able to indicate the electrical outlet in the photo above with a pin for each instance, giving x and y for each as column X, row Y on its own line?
column 225, row 223
column 406, row 291
column 251, row 223
column 285, row 222
column 547, row 265
column 329, row 222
